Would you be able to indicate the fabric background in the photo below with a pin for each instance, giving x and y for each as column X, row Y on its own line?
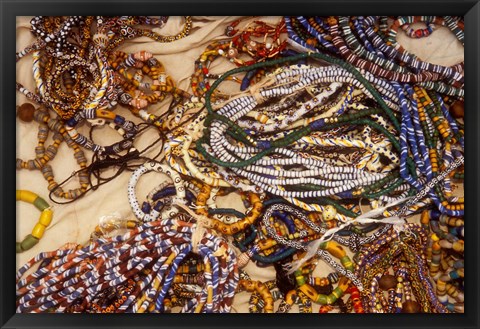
column 75, row 222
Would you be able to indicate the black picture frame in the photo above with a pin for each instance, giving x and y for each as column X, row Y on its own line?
column 9, row 9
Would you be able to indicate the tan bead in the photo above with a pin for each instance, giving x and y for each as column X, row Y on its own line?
column 138, row 65
column 232, row 53
column 252, row 45
column 387, row 281
column 243, row 260
column 142, row 55
column 26, row 112
column 410, row 306
column 457, row 109
column 138, row 103
column 329, row 213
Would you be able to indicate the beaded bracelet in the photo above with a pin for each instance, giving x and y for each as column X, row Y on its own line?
column 403, row 22
column 43, row 222
column 261, row 289
column 232, row 49
column 318, row 290
column 257, row 299
column 322, row 299
column 390, row 52
column 179, row 198
column 418, row 33
column 229, row 229
column 153, row 68
column 295, row 297
column 43, row 157
column 102, row 81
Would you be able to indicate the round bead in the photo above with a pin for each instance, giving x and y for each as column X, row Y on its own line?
column 232, row 53
column 457, row 109
column 26, row 112
column 329, row 213
column 410, row 306
column 387, row 282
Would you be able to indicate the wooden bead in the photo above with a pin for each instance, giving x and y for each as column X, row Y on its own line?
column 26, row 112
column 387, row 281
column 410, row 306
column 457, row 109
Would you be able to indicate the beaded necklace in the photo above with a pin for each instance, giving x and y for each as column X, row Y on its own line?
column 389, row 52
column 122, row 28
column 44, row 156
column 169, row 212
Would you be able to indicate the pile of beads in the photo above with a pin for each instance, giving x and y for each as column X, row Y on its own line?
column 328, row 116
column 146, row 259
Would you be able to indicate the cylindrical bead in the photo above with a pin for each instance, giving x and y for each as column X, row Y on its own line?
column 38, row 231
column 46, row 217
column 29, row 242
column 26, row 196
column 41, row 204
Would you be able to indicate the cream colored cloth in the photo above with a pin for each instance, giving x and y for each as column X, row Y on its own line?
column 75, row 222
